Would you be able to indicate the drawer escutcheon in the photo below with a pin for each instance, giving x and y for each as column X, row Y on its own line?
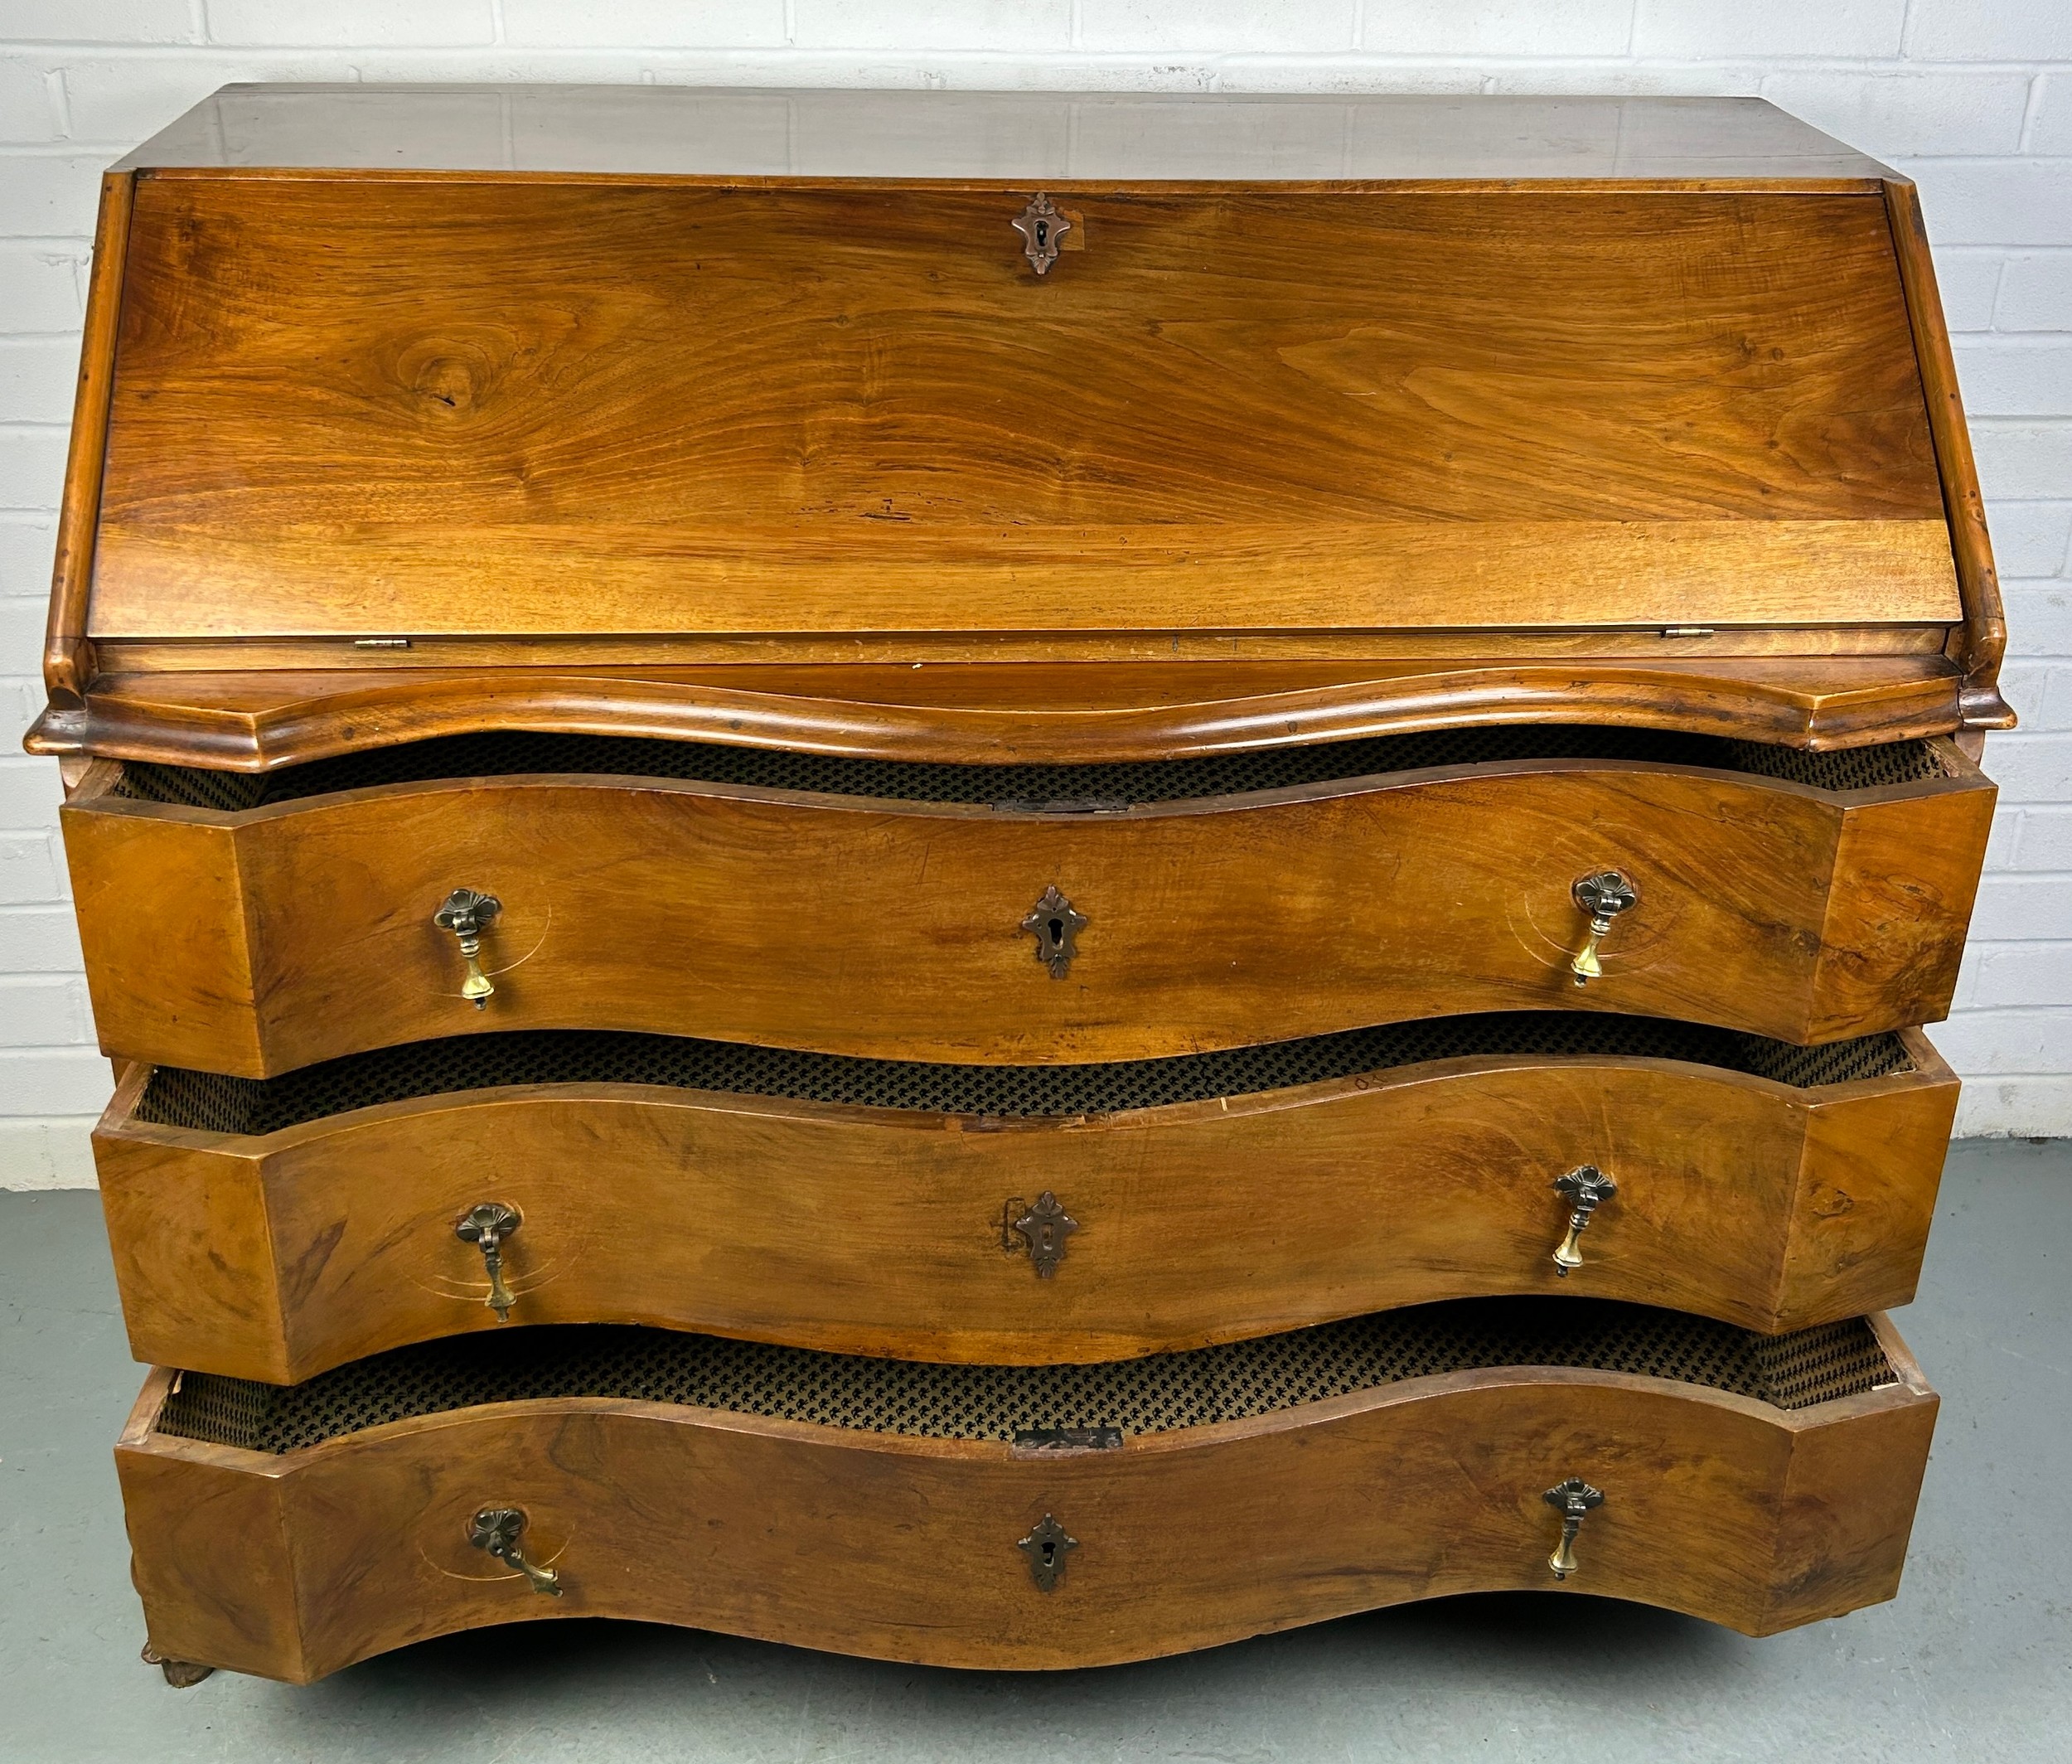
column 1055, row 924
column 1047, row 1546
column 1041, row 227
column 1042, row 1229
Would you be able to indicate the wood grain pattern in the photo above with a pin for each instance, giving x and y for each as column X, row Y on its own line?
column 1984, row 641
column 998, row 712
column 68, row 656
column 853, row 408
column 277, row 1258
column 255, row 942
column 903, row 1548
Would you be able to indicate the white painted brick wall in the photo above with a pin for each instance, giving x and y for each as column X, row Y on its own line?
column 1974, row 98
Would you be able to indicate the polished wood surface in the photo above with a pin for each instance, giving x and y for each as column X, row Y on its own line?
column 277, row 1258
column 1000, row 712
column 736, row 133
column 68, row 656
column 253, row 943
column 1983, row 640
column 739, row 417
column 855, row 408
column 904, row 1549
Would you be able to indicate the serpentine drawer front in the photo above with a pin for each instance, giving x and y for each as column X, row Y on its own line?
column 1033, row 1517
column 273, row 1229
column 1018, row 913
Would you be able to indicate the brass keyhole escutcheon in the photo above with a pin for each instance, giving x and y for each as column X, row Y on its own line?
column 488, row 1225
column 1588, row 1188
column 1041, row 227
column 1042, row 1229
column 1055, row 924
column 467, row 913
column 1047, row 1546
column 496, row 1530
column 1575, row 1498
column 1604, row 895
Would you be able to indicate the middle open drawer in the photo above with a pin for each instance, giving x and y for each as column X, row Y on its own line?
column 273, row 1228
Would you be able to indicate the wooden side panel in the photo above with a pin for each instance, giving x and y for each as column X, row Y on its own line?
column 1984, row 640
column 1899, row 900
column 162, row 920
column 1197, row 1225
column 68, row 656
column 212, row 1555
column 194, row 1258
column 1848, row 1508
column 855, row 408
column 906, row 1549
column 1866, row 1192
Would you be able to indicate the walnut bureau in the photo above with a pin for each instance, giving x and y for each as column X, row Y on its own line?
column 853, row 856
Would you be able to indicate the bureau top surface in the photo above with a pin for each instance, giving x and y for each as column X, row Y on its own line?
column 668, row 131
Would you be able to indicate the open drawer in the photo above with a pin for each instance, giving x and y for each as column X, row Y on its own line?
column 273, row 1229
column 255, row 923
column 1031, row 1517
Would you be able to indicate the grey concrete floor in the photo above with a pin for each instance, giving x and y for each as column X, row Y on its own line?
column 1974, row 1661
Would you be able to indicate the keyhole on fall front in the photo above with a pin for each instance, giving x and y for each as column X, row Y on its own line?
column 1056, row 927
column 1050, row 1555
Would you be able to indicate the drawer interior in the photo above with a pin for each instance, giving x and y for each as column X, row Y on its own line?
column 1081, row 789
column 1154, row 1394
column 211, row 1102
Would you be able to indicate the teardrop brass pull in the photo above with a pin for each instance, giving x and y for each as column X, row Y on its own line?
column 498, row 1530
column 489, row 1224
column 1042, row 1229
column 1604, row 895
column 1047, row 1546
column 1575, row 1498
column 1588, row 1188
column 467, row 913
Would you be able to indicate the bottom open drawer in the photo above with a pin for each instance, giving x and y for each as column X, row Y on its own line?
column 1024, row 1517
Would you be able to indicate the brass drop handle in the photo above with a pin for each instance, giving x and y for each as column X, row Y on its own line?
column 489, row 1224
column 498, row 1530
column 467, row 913
column 1588, row 1188
column 1575, row 1498
column 1604, row 895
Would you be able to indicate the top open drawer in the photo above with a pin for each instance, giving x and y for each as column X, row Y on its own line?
column 1040, row 914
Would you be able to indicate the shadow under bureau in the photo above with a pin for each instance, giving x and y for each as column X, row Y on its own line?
column 853, row 857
